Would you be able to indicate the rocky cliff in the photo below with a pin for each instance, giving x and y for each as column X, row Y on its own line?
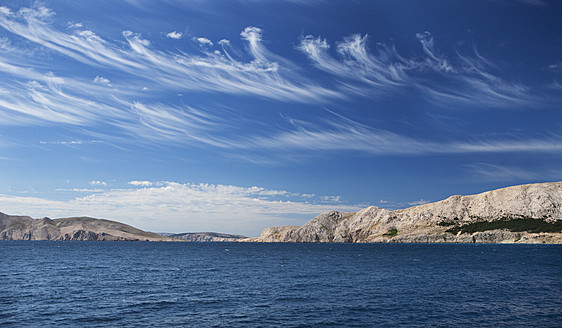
column 82, row 228
column 520, row 214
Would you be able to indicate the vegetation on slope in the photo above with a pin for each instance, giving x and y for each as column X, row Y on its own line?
column 522, row 224
column 391, row 233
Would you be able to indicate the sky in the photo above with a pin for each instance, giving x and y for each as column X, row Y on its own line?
column 233, row 116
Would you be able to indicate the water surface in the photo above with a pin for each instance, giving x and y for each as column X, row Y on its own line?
column 139, row 284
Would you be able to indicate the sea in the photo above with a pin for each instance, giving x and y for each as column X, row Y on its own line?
column 175, row 284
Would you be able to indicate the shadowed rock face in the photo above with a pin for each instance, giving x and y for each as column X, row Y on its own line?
column 82, row 228
column 429, row 223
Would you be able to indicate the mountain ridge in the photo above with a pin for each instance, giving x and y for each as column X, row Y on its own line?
column 17, row 227
column 448, row 221
column 14, row 227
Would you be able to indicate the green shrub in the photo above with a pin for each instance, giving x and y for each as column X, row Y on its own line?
column 391, row 233
column 526, row 224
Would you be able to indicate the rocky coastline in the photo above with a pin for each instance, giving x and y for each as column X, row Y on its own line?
column 529, row 213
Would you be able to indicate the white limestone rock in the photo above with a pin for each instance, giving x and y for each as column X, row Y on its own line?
column 424, row 223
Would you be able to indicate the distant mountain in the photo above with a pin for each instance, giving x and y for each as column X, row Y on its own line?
column 76, row 228
column 520, row 214
column 206, row 237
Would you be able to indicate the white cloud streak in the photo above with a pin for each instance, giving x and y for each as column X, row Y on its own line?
column 52, row 99
column 540, row 3
column 346, row 135
column 378, row 72
column 433, row 60
column 69, row 143
column 140, row 183
column 30, row 97
column 509, row 173
column 213, row 72
column 557, row 67
column 467, row 81
column 418, row 202
column 82, row 190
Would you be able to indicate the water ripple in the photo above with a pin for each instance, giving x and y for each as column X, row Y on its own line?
column 91, row 284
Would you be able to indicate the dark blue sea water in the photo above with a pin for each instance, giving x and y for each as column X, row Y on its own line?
column 136, row 284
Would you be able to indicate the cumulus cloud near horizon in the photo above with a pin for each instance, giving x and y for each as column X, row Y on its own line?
column 140, row 183
column 178, row 207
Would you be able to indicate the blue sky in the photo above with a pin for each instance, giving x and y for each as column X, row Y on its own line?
column 234, row 116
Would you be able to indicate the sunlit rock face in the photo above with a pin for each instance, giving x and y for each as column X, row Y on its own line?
column 83, row 228
column 519, row 214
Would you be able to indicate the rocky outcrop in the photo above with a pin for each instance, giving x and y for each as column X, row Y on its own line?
column 207, row 237
column 82, row 228
column 457, row 219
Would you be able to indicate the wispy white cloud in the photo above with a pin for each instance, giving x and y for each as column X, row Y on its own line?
column 174, row 35
column 204, row 42
column 5, row 11
column 508, row 173
column 75, row 25
column 418, row 202
column 81, row 190
column 32, row 96
column 330, row 199
column 98, row 183
column 42, row 99
column 102, row 80
column 473, row 83
column 253, row 35
column 379, row 72
column 140, row 183
column 555, row 85
column 52, row 99
column 71, row 142
column 540, row 3
column 465, row 79
column 4, row 43
column 176, row 207
column 160, row 122
column 215, row 71
column 433, row 60
column 346, row 135
column 497, row 172
column 555, row 67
